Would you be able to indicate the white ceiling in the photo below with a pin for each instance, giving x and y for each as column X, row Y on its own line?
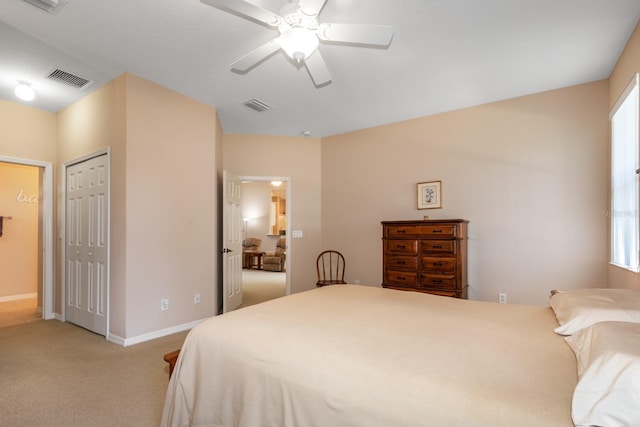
column 445, row 55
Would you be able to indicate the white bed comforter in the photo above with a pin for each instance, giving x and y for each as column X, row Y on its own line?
column 361, row 356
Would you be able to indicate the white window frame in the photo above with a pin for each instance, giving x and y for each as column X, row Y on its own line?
column 625, row 189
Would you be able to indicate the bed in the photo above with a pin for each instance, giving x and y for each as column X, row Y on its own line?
column 353, row 355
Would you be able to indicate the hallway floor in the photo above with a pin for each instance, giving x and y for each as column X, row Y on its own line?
column 260, row 286
column 19, row 311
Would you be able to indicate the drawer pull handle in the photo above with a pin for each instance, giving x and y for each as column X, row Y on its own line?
column 402, row 247
column 401, row 231
column 437, row 246
column 401, row 263
column 437, row 264
column 437, row 231
column 437, row 280
column 401, row 278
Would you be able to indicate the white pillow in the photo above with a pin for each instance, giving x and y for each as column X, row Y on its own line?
column 580, row 308
column 608, row 389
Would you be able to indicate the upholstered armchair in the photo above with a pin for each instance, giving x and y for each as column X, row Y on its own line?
column 250, row 246
column 274, row 260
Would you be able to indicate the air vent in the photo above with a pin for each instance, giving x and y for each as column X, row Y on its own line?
column 51, row 6
column 69, row 79
column 256, row 104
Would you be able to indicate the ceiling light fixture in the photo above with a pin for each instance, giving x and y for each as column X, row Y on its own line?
column 299, row 43
column 276, row 183
column 51, row 6
column 24, row 91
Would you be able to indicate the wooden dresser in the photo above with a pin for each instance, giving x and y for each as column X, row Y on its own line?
column 426, row 256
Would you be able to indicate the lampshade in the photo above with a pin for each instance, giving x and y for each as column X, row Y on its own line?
column 24, row 91
column 299, row 43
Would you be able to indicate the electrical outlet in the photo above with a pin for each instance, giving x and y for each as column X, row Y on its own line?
column 196, row 298
column 502, row 298
column 356, row 282
column 164, row 304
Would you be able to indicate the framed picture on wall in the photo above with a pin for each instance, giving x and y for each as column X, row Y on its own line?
column 430, row 195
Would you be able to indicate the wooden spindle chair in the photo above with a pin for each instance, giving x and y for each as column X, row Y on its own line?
column 330, row 266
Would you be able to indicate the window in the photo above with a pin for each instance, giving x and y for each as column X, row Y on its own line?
column 624, row 179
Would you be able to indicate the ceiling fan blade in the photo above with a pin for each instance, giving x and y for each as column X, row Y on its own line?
column 256, row 56
column 379, row 35
column 247, row 10
column 317, row 69
column 311, row 7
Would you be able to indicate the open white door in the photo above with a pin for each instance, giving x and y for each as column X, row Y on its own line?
column 232, row 243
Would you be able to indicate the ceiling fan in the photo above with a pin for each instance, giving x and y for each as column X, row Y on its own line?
column 300, row 34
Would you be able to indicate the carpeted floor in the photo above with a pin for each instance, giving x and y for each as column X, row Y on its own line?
column 260, row 286
column 57, row 374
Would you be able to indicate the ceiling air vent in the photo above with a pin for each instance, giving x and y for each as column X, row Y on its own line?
column 256, row 104
column 51, row 6
column 69, row 79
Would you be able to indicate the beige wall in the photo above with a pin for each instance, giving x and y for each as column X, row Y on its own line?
column 628, row 64
column 19, row 197
column 298, row 159
column 256, row 204
column 92, row 124
column 163, row 198
column 27, row 133
column 170, row 207
column 529, row 174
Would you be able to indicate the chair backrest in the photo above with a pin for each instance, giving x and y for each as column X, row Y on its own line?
column 330, row 266
column 281, row 246
column 251, row 244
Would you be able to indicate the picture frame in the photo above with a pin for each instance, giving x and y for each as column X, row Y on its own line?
column 429, row 195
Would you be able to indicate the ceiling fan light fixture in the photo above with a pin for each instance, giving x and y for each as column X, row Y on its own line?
column 24, row 91
column 51, row 6
column 299, row 43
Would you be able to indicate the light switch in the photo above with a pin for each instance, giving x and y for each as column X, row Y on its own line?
column 296, row 234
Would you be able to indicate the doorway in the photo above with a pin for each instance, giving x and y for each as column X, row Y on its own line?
column 265, row 206
column 26, row 240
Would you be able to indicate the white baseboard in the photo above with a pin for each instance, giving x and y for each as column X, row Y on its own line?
column 18, row 297
column 125, row 342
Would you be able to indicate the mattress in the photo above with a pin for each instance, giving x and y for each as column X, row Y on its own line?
column 349, row 355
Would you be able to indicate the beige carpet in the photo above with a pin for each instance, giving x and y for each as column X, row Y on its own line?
column 57, row 374
column 260, row 286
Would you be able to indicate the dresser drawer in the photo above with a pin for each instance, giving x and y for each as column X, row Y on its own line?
column 401, row 278
column 397, row 262
column 444, row 231
column 400, row 231
column 437, row 264
column 408, row 247
column 439, row 281
column 438, row 246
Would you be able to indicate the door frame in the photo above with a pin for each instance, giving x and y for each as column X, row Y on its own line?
column 48, row 309
column 287, row 260
column 63, row 233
